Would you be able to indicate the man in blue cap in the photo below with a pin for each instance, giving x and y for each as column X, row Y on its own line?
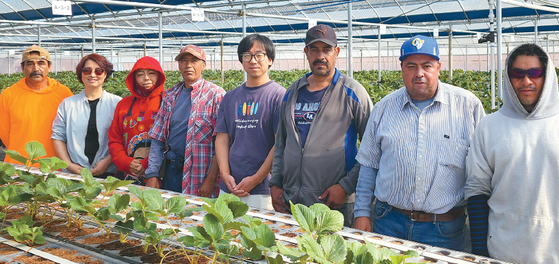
column 413, row 154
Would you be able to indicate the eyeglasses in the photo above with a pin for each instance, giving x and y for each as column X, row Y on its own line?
column 247, row 57
column 88, row 70
column 532, row 73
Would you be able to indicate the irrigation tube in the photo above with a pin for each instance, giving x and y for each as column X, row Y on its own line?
column 36, row 252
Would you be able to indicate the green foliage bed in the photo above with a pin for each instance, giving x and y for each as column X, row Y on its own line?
column 475, row 81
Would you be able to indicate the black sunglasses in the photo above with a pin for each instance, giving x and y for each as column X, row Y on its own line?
column 88, row 70
column 532, row 73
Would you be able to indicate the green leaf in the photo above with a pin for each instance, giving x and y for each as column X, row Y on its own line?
column 102, row 214
column 188, row 241
column 79, row 204
column 311, row 247
column 27, row 177
column 213, row 227
column 234, row 225
column 411, row 253
column 124, row 227
column 334, row 247
column 249, row 233
column 90, row 192
column 238, row 208
column 364, row 258
column 16, row 156
column 88, row 178
column 277, row 260
column 291, row 253
column 304, row 216
column 154, row 199
column 57, row 164
column 136, row 192
column 175, row 204
column 111, row 183
column 9, row 169
column 374, row 251
column 399, row 259
column 118, row 203
column 327, row 220
column 39, row 240
column 253, row 253
column 266, row 234
column 35, row 150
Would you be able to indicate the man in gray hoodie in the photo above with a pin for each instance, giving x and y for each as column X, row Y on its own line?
column 321, row 117
column 513, row 166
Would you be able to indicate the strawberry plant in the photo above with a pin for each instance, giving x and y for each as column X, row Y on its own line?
column 23, row 231
column 220, row 218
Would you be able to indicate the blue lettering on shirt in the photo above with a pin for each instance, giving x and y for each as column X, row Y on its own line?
column 306, row 108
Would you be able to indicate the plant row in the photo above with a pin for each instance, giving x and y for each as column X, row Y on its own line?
column 477, row 82
column 228, row 233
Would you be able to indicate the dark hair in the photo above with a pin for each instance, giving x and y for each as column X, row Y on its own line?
column 249, row 41
column 99, row 59
column 528, row 49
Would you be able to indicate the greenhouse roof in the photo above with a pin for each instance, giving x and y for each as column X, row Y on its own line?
column 135, row 23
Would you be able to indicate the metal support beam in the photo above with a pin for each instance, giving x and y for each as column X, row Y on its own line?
column 244, row 35
column 222, row 72
column 378, row 57
column 450, row 64
column 349, row 40
column 161, row 41
column 39, row 34
column 536, row 31
column 499, row 50
column 466, row 61
column 93, row 31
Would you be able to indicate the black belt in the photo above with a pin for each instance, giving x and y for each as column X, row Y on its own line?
column 421, row 216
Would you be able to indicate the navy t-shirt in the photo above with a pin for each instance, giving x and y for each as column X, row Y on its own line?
column 250, row 116
column 178, row 124
column 306, row 109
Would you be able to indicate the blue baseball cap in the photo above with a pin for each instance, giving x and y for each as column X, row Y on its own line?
column 420, row 45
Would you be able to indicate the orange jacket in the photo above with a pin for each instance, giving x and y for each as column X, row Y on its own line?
column 27, row 115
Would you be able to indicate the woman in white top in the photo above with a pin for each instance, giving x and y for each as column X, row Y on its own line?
column 79, row 131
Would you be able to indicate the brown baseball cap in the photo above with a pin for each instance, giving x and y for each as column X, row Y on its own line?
column 43, row 54
column 192, row 49
column 322, row 33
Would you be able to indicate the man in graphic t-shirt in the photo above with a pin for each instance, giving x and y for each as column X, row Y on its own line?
column 246, row 126
column 322, row 116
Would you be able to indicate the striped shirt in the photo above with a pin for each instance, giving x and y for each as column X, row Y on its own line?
column 420, row 154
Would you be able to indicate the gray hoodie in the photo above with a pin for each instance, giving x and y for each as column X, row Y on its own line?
column 514, row 159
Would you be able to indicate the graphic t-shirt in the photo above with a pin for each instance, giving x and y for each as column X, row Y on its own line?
column 306, row 109
column 250, row 116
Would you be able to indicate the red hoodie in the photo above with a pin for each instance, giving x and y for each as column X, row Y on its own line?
column 134, row 116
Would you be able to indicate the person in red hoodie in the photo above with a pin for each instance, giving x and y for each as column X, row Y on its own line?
column 129, row 142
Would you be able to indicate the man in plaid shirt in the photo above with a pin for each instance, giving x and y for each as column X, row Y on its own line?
column 183, row 131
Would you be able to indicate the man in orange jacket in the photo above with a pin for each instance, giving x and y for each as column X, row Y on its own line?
column 28, row 107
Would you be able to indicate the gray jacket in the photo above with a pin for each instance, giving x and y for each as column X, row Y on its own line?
column 328, row 156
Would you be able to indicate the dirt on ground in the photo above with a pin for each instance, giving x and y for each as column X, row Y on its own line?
column 116, row 245
column 100, row 239
column 72, row 255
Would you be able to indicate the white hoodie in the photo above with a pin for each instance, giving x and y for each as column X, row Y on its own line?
column 514, row 159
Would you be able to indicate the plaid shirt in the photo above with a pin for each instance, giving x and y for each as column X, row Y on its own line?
column 199, row 150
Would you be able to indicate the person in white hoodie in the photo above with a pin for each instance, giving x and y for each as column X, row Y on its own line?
column 513, row 166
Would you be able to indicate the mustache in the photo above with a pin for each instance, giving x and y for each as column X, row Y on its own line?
column 531, row 87
column 36, row 73
column 315, row 62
